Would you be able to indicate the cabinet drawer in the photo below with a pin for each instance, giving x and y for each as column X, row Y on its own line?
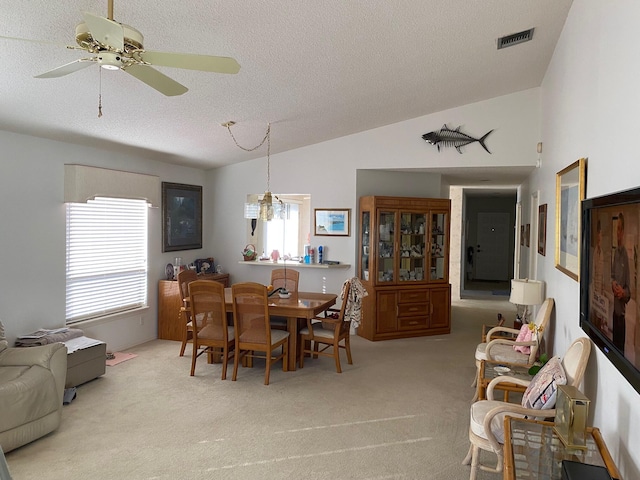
column 413, row 322
column 412, row 309
column 413, row 296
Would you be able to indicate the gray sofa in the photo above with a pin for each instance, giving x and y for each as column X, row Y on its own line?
column 31, row 388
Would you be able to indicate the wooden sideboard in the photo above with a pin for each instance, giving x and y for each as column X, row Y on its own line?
column 169, row 303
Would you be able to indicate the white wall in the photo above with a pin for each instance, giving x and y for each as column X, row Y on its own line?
column 32, row 237
column 329, row 172
column 590, row 99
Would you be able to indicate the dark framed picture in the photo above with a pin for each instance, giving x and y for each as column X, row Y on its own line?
column 181, row 217
column 542, row 229
column 527, row 234
column 522, row 235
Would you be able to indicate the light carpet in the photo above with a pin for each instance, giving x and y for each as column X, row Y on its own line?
column 401, row 411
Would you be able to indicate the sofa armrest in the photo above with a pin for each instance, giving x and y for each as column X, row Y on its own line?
column 27, row 356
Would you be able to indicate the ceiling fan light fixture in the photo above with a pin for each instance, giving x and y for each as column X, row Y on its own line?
column 110, row 60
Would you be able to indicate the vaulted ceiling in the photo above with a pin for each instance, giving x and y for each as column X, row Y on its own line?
column 316, row 70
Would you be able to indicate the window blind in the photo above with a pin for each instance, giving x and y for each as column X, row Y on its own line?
column 106, row 266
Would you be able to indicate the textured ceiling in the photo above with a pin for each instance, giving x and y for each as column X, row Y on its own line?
column 316, row 70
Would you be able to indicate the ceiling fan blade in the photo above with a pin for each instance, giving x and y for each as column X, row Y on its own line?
column 42, row 42
column 68, row 68
column 155, row 79
column 190, row 61
column 105, row 31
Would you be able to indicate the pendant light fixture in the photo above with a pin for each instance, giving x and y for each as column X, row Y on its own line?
column 265, row 209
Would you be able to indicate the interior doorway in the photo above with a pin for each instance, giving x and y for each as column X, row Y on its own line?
column 488, row 241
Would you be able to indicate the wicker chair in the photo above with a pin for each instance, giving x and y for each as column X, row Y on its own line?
column 211, row 332
column 252, row 330
column 499, row 347
column 486, row 427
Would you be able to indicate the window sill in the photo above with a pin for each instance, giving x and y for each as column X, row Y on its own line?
column 93, row 322
column 269, row 263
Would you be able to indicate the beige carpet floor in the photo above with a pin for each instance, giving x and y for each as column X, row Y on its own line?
column 401, row 411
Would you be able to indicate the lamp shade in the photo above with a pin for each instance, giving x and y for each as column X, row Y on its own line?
column 526, row 292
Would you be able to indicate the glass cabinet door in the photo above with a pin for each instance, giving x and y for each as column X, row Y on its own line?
column 438, row 255
column 386, row 250
column 365, row 245
column 412, row 259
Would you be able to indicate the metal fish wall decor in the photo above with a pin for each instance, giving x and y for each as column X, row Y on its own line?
column 453, row 138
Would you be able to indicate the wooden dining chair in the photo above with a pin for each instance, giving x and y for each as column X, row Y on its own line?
column 252, row 330
column 287, row 279
column 211, row 332
column 332, row 333
column 185, row 277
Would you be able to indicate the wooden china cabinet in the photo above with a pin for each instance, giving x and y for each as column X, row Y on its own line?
column 403, row 262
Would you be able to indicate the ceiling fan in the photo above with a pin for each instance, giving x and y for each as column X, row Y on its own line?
column 117, row 46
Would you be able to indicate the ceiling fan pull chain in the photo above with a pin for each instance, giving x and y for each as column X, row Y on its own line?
column 100, row 95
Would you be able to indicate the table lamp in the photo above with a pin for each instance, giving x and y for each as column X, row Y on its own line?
column 525, row 292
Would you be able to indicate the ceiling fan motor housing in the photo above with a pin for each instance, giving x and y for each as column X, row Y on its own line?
column 133, row 40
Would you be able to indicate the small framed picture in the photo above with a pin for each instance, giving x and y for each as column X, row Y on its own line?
column 542, row 229
column 335, row 222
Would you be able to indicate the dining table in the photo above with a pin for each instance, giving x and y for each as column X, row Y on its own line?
column 299, row 306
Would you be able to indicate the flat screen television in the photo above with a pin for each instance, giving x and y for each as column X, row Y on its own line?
column 609, row 290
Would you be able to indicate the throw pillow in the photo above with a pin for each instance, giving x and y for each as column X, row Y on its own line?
column 525, row 335
column 541, row 392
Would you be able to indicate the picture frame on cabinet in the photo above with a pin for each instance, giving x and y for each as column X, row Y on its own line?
column 181, row 217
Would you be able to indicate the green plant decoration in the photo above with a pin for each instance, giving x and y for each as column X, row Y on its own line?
column 535, row 368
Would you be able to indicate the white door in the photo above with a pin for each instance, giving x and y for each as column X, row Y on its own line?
column 492, row 246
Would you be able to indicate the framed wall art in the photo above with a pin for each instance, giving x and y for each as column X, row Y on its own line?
column 522, row 235
column 542, row 229
column 334, row 222
column 527, row 234
column 181, row 217
column 570, row 191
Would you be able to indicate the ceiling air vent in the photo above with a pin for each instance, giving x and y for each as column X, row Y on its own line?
column 515, row 38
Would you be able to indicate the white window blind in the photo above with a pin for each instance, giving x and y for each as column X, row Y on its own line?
column 106, row 257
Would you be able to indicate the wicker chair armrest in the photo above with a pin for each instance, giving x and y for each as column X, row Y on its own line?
column 496, row 330
column 504, row 341
column 504, row 379
column 510, row 408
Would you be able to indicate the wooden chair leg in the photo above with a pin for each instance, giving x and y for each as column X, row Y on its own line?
column 185, row 339
column 225, row 359
column 267, row 368
column 236, row 361
column 285, row 356
column 194, row 355
column 347, row 347
column 336, row 355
